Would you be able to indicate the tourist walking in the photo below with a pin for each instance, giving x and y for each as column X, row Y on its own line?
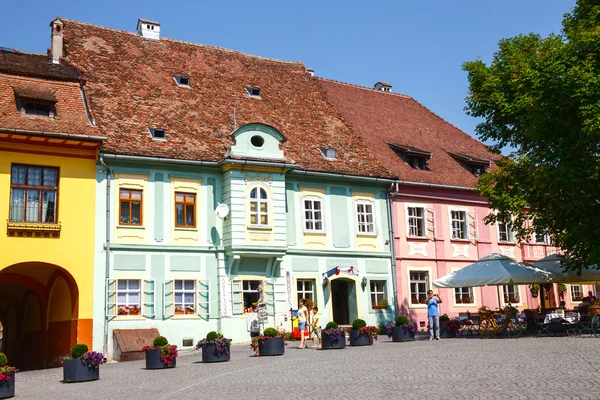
column 433, row 312
column 315, row 332
column 302, row 318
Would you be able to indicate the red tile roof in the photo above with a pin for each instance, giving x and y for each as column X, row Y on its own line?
column 33, row 76
column 131, row 88
column 384, row 117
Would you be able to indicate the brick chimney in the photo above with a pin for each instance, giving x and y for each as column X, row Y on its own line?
column 56, row 40
column 383, row 86
column 148, row 29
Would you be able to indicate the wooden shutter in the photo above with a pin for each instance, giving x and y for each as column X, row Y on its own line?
column 472, row 226
column 236, row 297
column 430, row 221
column 204, row 298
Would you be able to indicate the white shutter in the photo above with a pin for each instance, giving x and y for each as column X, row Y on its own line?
column 148, row 299
column 204, row 298
column 236, row 297
column 111, row 297
column 270, row 297
column 168, row 295
column 430, row 221
column 472, row 226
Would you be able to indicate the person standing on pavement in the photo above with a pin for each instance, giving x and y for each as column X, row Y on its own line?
column 302, row 318
column 433, row 312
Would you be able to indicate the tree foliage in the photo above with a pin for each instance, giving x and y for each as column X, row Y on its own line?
column 541, row 96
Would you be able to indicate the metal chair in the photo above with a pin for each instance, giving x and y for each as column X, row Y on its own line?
column 542, row 327
column 582, row 326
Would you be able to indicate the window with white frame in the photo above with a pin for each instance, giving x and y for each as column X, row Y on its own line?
column 541, row 237
column 305, row 289
column 129, row 296
column 259, row 207
column 378, row 298
column 458, row 220
column 419, row 285
column 576, row 293
column 313, row 214
column 416, row 221
column 250, row 295
column 464, row 295
column 505, row 232
column 511, row 294
column 185, row 296
column 365, row 218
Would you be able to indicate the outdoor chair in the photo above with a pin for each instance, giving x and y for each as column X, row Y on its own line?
column 582, row 327
column 542, row 327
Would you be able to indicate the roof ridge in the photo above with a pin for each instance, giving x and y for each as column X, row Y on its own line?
column 184, row 42
column 364, row 87
column 18, row 51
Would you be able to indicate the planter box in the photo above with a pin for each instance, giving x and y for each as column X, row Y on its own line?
column 445, row 333
column 328, row 343
column 399, row 334
column 7, row 389
column 209, row 354
column 75, row 371
column 153, row 360
column 594, row 310
column 271, row 347
column 360, row 340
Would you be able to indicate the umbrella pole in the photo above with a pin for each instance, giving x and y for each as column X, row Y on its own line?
column 498, row 291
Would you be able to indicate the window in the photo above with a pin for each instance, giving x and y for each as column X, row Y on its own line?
column 185, row 297
column 313, row 214
column 476, row 170
column 416, row 221
column 158, row 133
column 259, row 207
column 330, row 154
column 182, row 80
column 130, row 204
column 419, row 285
column 541, row 237
column 185, row 210
column 505, row 232
column 576, row 293
column 250, row 295
column 511, row 294
column 128, row 296
column 463, row 295
column 36, row 108
column 305, row 289
column 414, row 157
column 417, row 163
column 33, row 194
column 378, row 294
column 253, row 91
column 476, row 166
column 459, row 224
column 365, row 221
column 257, row 141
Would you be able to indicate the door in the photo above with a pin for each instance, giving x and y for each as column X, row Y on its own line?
column 339, row 294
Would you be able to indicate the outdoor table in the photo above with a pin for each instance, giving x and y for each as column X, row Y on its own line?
column 570, row 318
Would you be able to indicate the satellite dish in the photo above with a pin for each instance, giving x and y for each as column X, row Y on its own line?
column 222, row 211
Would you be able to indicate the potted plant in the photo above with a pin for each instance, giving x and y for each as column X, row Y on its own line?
column 333, row 337
column 361, row 334
column 129, row 310
column 381, row 306
column 448, row 327
column 402, row 330
column 270, row 343
column 562, row 289
column 82, row 365
column 161, row 354
column 535, row 289
column 215, row 348
column 594, row 307
column 7, row 378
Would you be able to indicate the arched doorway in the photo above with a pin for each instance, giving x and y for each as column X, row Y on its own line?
column 39, row 313
column 344, row 301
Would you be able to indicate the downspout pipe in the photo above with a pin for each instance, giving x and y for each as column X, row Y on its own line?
column 107, row 255
column 390, row 203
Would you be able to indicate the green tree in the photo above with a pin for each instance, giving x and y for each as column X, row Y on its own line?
column 541, row 96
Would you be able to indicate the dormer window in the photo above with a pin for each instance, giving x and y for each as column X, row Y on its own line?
column 414, row 157
column 37, row 108
column 182, row 80
column 158, row 134
column 253, row 91
column 329, row 154
column 35, row 101
column 476, row 166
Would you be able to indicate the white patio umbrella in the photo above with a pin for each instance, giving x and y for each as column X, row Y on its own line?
column 552, row 264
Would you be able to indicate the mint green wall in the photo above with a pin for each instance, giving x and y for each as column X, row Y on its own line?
column 290, row 213
column 339, row 213
column 159, row 207
column 243, row 147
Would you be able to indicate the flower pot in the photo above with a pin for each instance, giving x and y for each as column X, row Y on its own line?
column 209, row 354
column 328, row 343
column 7, row 388
column 271, row 347
column 356, row 339
column 399, row 334
column 594, row 310
column 153, row 360
column 75, row 371
column 445, row 333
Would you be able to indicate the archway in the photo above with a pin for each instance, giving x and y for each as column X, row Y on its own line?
column 39, row 313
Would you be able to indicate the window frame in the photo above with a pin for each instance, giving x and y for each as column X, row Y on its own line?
column 423, row 219
column 130, row 201
column 23, row 107
column 510, row 233
column 546, row 239
column 244, row 291
column 465, row 227
column 517, row 291
column 581, row 292
column 258, row 202
column 428, row 284
column 183, row 292
column 312, row 199
column 185, row 204
column 313, row 292
column 462, row 296
column 357, row 223
column 127, row 291
column 376, row 293
column 40, row 188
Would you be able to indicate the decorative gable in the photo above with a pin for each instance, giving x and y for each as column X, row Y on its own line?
column 257, row 141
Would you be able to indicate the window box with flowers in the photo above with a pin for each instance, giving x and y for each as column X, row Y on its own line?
column 420, row 300
column 402, row 330
column 381, row 305
column 594, row 307
column 215, row 347
column 361, row 334
column 270, row 343
column 129, row 310
column 333, row 337
column 7, row 378
column 82, row 365
column 511, row 299
column 187, row 310
column 161, row 354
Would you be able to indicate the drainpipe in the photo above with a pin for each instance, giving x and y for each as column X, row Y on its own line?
column 107, row 254
column 390, row 201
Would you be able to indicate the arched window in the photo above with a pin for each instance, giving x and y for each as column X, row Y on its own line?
column 259, row 207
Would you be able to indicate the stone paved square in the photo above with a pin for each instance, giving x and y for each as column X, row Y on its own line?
column 463, row 368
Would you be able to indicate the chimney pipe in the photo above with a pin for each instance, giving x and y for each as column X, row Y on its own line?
column 148, row 29
column 56, row 40
column 383, row 86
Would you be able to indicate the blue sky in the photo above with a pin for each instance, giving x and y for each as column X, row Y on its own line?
column 418, row 46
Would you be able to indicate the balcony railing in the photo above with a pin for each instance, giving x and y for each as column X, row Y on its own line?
column 538, row 251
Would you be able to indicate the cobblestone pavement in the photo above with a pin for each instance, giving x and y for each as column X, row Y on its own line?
column 524, row 368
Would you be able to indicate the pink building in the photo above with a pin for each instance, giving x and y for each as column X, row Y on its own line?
column 437, row 214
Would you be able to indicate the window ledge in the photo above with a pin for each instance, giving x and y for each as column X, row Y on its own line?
column 184, row 317
column 177, row 228
column 131, row 227
column 366, row 234
column 418, row 238
column 423, row 306
column 461, row 240
column 33, row 229
column 130, row 317
column 465, row 305
column 506, row 243
column 260, row 227
column 315, row 233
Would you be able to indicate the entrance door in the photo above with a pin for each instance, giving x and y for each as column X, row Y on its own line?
column 339, row 295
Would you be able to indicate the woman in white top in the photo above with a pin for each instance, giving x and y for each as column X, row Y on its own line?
column 302, row 318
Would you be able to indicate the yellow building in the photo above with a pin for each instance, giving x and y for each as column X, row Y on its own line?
column 48, row 152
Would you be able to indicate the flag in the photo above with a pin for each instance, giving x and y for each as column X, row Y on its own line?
column 351, row 270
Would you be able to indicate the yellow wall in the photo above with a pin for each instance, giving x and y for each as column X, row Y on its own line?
column 129, row 233
column 366, row 241
column 74, row 249
column 185, row 236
